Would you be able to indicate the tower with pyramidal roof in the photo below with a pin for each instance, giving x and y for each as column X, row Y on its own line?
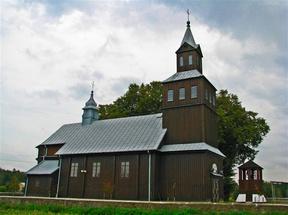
column 189, row 98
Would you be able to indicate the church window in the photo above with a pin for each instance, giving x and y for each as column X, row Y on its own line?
column 206, row 94
column 181, row 93
column 190, row 59
column 181, row 61
column 193, row 92
column 170, row 95
column 124, row 169
column 210, row 97
column 96, row 169
column 74, row 170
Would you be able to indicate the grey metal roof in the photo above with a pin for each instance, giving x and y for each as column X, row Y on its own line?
column 139, row 133
column 190, row 147
column 183, row 75
column 188, row 37
column 45, row 167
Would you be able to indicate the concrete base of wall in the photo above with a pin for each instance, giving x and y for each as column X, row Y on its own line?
column 206, row 206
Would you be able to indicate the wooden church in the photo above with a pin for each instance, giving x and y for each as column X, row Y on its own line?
column 171, row 156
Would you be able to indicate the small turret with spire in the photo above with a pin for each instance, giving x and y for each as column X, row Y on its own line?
column 90, row 111
column 189, row 55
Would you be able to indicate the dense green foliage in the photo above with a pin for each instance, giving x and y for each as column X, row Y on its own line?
column 239, row 134
column 138, row 100
column 9, row 180
column 280, row 190
column 6, row 208
column 240, row 131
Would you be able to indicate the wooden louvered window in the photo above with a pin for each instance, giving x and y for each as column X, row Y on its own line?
column 124, row 169
column 74, row 170
column 96, row 168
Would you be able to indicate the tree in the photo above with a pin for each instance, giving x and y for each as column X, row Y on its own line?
column 239, row 134
column 239, row 131
column 138, row 100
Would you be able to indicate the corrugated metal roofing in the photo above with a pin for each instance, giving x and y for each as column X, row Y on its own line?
column 45, row 167
column 190, row 147
column 139, row 133
column 183, row 75
column 188, row 37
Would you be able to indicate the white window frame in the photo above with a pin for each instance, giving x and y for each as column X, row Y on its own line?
column 181, row 93
column 194, row 92
column 125, row 169
column 181, row 61
column 170, row 95
column 74, row 169
column 96, row 169
column 190, row 59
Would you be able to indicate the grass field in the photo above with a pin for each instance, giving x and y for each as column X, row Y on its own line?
column 34, row 209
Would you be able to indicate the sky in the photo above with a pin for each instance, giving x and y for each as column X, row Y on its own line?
column 52, row 50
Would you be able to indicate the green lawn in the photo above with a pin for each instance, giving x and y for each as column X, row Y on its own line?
column 34, row 209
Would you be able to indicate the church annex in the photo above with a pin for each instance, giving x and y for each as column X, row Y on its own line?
column 172, row 155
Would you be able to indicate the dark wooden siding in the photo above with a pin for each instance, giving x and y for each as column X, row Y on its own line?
column 209, row 159
column 185, row 52
column 190, row 120
column 184, row 125
column 42, row 185
column 52, row 149
column 182, row 176
column 84, row 185
column 186, row 176
column 76, row 184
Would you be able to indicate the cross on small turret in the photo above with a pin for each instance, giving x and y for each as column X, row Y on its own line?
column 188, row 14
column 92, row 86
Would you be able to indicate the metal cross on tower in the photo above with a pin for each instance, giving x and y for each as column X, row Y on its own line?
column 92, row 86
column 188, row 14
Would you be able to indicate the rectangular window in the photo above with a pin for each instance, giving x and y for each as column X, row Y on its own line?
column 190, row 59
column 206, row 94
column 124, row 169
column 255, row 174
column 210, row 97
column 213, row 100
column 96, row 168
column 193, row 92
column 37, row 183
column 181, row 63
column 181, row 93
column 74, row 170
column 170, row 95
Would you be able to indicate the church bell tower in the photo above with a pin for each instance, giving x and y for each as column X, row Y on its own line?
column 189, row 98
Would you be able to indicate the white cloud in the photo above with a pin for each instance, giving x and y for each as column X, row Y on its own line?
column 49, row 61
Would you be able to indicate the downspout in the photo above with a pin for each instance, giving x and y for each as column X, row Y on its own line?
column 149, row 176
column 46, row 151
column 26, row 186
column 58, row 182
